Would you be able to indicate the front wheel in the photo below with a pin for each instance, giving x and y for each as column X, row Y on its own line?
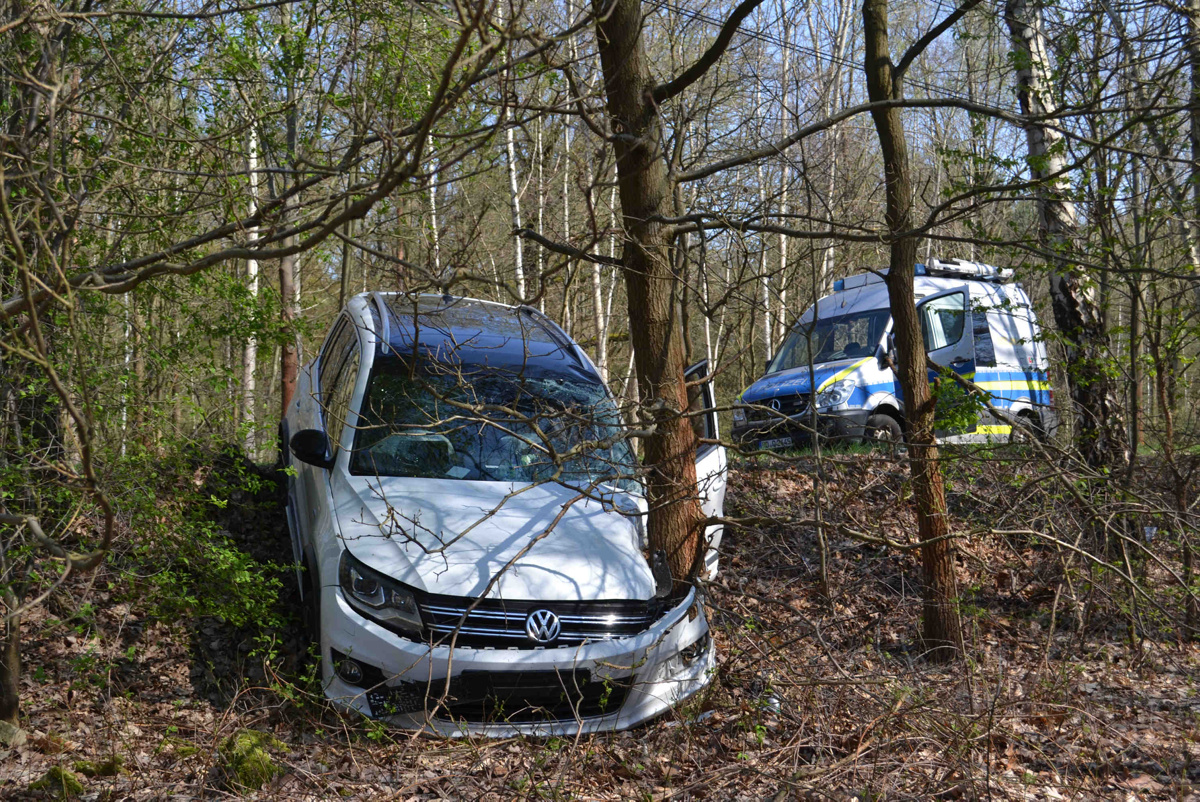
column 882, row 428
column 1030, row 430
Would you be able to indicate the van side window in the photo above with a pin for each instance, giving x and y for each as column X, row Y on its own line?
column 985, row 352
column 942, row 321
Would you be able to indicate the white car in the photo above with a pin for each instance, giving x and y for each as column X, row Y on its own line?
column 469, row 529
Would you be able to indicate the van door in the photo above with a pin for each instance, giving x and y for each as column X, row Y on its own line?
column 946, row 326
column 949, row 336
column 711, row 465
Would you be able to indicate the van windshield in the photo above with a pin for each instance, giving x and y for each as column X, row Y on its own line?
column 830, row 339
column 490, row 426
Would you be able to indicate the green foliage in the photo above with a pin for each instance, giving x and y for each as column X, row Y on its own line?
column 246, row 757
column 956, row 409
column 111, row 766
column 60, row 783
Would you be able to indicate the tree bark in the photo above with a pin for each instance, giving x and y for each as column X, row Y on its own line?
column 10, row 663
column 250, row 350
column 941, row 628
column 289, row 358
column 675, row 519
column 1099, row 430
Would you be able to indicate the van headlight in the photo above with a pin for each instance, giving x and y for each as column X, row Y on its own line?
column 739, row 416
column 378, row 598
column 836, row 393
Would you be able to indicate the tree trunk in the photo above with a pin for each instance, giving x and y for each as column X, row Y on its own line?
column 10, row 662
column 675, row 519
column 1192, row 215
column 941, row 627
column 289, row 358
column 1099, row 431
column 250, row 350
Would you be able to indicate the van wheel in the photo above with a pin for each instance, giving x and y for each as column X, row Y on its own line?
column 1031, row 426
column 883, row 428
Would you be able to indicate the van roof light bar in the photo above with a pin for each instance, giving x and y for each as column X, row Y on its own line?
column 949, row 268
column 961, row 268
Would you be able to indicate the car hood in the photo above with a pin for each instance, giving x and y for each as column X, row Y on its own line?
column 453, row 537
column 795, row 381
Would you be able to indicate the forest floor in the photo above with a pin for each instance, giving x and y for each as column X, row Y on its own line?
column 814, row 697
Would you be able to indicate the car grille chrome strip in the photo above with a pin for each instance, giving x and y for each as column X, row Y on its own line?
column 502, row 623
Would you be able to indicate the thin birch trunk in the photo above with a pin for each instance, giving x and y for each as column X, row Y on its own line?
column 508, row 91
column 1100, row 432
column 1185, row 224
column 541, row 212
column 250, row 350
column 785, row 174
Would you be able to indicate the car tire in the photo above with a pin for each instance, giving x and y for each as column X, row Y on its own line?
column 883, row 428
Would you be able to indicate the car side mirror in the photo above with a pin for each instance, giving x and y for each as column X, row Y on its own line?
column 887, row 350
column 311, row 446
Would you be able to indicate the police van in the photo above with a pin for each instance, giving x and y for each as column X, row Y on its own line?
column 974, row 320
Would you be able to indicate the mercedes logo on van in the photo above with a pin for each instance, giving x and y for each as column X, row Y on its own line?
column 542, row 626
column 775, row 404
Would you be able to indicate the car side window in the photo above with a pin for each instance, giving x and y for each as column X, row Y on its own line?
column 942, row 321
column 334, row 353
column 338, row 401
column 700, row 406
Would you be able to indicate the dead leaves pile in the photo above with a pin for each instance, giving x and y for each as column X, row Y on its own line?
column 815, row 696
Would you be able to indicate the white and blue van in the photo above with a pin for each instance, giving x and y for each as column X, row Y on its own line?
column 974, row 321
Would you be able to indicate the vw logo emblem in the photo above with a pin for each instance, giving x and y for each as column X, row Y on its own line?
column 775, row 404
column 542, row 626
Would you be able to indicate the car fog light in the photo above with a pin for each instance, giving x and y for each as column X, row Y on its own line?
column 350, row 671
column 690, row 653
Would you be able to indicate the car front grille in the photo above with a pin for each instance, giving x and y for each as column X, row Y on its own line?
column 501, row 624
column 505, row 696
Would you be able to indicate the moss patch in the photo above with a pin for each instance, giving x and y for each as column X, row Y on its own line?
column 60, row 782
column 247, row 759
column 109, row 767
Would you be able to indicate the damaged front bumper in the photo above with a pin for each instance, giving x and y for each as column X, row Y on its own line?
column 455, row 690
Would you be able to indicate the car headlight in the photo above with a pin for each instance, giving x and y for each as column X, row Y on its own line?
column 739, row 416
column 377, row 597
column 836, row 393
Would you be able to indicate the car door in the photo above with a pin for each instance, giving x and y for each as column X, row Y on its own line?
column 949, row 335
column 309, row 485
column 711, row 464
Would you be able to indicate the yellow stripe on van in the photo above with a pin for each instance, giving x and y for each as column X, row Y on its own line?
column 993, row 430
column 1014, row 385
column 841, row 374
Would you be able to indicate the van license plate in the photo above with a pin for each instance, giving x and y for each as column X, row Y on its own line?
column 778, row 442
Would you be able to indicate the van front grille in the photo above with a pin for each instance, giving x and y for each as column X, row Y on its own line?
column 769, row 409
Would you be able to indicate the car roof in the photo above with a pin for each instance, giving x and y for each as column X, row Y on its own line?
column 474, row 333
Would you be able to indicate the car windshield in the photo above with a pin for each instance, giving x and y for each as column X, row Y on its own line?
column 830, row 339
column 489, row 426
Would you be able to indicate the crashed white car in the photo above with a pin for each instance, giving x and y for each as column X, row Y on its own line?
column 469, row 530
